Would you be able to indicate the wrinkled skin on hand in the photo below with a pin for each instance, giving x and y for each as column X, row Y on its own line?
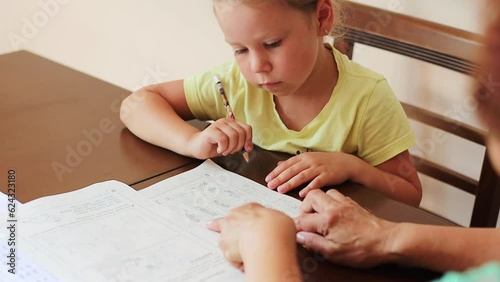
column 342, row 231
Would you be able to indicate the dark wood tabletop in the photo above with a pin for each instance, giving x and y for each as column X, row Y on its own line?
column 61, row 131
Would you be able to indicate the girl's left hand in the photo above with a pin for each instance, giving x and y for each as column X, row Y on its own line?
column 320, row 168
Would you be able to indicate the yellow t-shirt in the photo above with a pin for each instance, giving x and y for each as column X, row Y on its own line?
column 362, row 117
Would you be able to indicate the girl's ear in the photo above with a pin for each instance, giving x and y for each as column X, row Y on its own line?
column 324, row 15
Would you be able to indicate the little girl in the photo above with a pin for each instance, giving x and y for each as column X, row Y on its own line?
column 289, row 92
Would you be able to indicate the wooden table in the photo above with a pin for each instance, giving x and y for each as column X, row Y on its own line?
column 61, row 132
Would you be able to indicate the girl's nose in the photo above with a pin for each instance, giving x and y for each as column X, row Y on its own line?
column 259, row 63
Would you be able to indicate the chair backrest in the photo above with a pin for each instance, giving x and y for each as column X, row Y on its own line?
column 443, row 46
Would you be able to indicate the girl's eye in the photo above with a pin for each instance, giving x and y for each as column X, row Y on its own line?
column 273, row 44
column 240, row 51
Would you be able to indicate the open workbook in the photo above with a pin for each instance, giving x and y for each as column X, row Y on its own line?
column 110, row 232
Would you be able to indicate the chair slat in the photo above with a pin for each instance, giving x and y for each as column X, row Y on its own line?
column 445, row 175
column 452, row 126
column 443, row 46
column 416, row 52
column 417, row 32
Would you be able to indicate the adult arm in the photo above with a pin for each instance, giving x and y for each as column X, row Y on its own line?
column 444, row 248
column 346, row 233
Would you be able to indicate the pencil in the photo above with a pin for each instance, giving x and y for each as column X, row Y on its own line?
column 229, row 111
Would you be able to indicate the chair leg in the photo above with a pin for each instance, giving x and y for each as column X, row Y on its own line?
column 487, row 202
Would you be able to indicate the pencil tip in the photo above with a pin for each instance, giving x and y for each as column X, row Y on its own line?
column 246, row 156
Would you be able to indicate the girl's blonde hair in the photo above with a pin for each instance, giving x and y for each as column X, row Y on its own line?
column 308, row 7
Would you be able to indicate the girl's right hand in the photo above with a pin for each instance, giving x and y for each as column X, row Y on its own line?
column 223, row 137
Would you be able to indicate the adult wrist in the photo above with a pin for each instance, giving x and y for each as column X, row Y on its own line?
column 398, row 234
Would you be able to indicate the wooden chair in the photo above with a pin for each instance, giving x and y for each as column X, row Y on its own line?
column 443, row 46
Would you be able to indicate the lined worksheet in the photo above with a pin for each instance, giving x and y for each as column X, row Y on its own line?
column 209, row 191
column 110, row 232
column 26, row 270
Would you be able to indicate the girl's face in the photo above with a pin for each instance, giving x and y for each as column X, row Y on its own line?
column 275, row 46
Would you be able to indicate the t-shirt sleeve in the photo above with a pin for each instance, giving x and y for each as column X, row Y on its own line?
column 202, row 95
column 385, row 130
column 487, row 272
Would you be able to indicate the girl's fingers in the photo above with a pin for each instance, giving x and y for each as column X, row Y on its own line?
column 238, row 136
column 296, row 179
column 248, row 136
column 271, row 178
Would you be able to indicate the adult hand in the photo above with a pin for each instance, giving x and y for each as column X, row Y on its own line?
column 223, row 137
column 318, row 168
column 250, row 230
column 342, row 231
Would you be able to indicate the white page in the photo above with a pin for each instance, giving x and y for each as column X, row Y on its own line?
column 110, row 232
column 209, row 191
column 26, row 269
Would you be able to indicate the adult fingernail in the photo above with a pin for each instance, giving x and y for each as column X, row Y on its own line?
column 300, row 238
column 267, row 178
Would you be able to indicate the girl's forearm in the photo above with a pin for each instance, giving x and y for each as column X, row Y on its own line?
column 389, row 184
column 443, row 248
column 151, row 118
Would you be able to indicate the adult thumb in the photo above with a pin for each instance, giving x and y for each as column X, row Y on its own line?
column 313, row 242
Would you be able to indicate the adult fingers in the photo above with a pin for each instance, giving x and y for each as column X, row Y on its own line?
column 315, row 242
column 336, row 195
column 316, row 201
column 318, row 182
column 311, row 222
